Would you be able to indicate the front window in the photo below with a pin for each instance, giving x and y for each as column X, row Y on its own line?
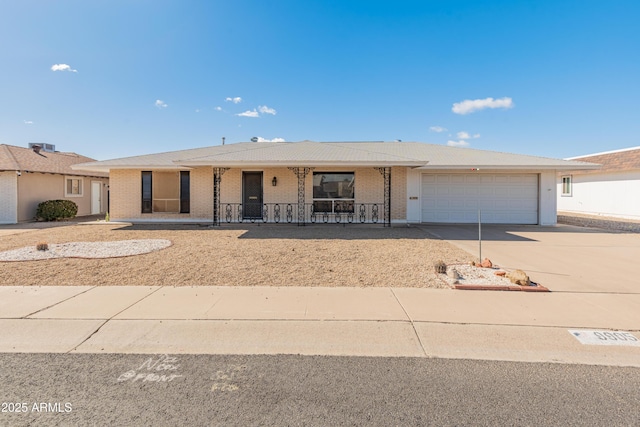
column 73, row 187
column 165, row 192
column 333, row 192
column 566, row 185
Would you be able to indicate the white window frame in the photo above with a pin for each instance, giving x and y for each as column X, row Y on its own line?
column 337, row 200
column 81, row 189
column 569, row 180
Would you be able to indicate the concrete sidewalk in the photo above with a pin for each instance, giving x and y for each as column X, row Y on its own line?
column 386, row 322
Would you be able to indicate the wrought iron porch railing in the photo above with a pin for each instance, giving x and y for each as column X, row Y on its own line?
column 314, row 213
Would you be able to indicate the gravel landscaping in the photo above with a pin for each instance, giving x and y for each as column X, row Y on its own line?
column 250, row 255
column 120, row 248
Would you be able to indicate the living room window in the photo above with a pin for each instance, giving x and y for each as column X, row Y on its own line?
column 333, row 192
column 73, row 187
column 165, row 191
column 566, row 185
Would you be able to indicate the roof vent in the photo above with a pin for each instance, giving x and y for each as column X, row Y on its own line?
column 254, row 139
column 37, row 147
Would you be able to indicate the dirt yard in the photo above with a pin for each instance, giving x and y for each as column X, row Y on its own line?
column 249, row 255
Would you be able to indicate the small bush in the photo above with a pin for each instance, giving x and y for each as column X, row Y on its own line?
column 53, row 210
column 42, row 246
column 440, row 267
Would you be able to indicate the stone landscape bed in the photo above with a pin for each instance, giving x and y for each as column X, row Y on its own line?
column 485, row 278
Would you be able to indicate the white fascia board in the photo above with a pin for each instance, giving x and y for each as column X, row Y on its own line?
column 284, row 164
column 107, row 169
column 505, row 167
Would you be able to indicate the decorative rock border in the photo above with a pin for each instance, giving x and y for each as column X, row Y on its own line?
column 87, row 250
column 536, row 288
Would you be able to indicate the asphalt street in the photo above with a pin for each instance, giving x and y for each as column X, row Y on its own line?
column 218, row 390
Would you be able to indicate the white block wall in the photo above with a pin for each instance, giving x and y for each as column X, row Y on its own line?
column 606, row 194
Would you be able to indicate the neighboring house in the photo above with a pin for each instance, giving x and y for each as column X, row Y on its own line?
column 32, row 175
column 613, row 190
column 349, row 182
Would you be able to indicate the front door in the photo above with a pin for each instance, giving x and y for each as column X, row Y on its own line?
column 96, row 197
column 252, row 195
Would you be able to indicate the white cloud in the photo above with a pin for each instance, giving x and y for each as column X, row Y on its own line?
column 236, row 100
column 437, row 129
column 249, row 113
column 197, row 110
column 62, row 67
column 218, row 108
column 261, row 139
column 469, row 106
column 266, row 110
column 466, row 135
column 460, row 143
column 27, row 122
column 160, row 103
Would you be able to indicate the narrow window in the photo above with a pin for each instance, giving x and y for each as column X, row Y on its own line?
column 146, row 192
column 185, row 192
column 566, row 185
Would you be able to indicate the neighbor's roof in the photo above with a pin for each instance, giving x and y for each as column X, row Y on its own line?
column 14, row 158
column 336, row 154
column 614, row 161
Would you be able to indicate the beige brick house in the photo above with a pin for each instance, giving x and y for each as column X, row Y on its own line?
column 36, row 174
column 346, row 182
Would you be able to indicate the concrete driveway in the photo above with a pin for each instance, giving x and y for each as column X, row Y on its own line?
column 562, row 258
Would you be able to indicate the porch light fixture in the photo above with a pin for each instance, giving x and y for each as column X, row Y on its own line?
column 274, row 181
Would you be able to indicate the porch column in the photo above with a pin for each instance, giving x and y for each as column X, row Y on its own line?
column 217, row 178
column 301, row 173
column 386, row 174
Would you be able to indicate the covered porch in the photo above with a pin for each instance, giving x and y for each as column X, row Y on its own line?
column 302, row 195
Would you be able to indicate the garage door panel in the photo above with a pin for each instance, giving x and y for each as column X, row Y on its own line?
column 457, row 192
column 457, row 205
column 470, row 204
column 502, row 205
column 502, row 198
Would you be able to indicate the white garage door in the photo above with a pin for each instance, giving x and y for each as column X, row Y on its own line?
column 502, row 198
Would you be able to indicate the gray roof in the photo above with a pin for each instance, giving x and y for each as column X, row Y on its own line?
column 351, row 154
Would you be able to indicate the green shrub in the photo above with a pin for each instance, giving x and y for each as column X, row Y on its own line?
column 53, row 210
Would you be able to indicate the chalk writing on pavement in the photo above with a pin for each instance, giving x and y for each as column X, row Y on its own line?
column 160, row 369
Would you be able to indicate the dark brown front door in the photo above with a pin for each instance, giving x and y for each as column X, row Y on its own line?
column 252, row 195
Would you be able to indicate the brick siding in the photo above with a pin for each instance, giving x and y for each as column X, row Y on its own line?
column 126, row 190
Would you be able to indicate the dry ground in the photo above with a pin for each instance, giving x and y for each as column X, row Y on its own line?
column 250, row 255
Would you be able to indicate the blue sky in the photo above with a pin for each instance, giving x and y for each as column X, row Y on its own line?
column 119, row 78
